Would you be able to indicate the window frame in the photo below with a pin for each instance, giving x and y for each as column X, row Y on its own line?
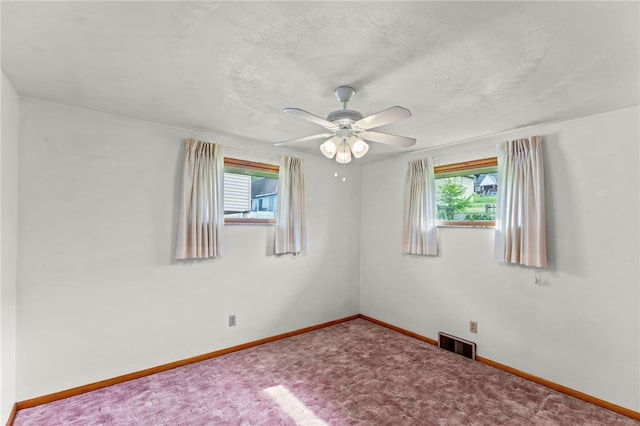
column 453, row 169
column 252, row 168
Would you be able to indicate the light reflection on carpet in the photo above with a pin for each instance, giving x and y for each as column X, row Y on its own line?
column 294, row 408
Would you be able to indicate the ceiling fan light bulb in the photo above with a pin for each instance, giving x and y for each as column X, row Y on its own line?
column 328, row 149
column 344, row 154
column 343, row 159
column 359, row 147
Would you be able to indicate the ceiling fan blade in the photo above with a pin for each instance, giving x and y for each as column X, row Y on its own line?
column 311, row 117
column 388, row 139
column 381, row 118
column 306, row 139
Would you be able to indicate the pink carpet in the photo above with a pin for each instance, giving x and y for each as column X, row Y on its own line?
column 354, row 373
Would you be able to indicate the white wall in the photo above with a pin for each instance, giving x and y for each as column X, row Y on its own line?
column 580, row 326
column 8, row 246
column 99, row 294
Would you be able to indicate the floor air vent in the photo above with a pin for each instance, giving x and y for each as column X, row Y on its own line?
column 457, row 345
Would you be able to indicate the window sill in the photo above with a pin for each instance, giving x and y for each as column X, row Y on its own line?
column 461, row 224
column 250, row 222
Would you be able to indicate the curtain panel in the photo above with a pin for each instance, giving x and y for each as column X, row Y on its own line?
column 201, row 216
column 291, row 226
column 419, row 231
column 520, row 234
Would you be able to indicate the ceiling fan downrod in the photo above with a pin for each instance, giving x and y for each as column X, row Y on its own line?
column 344, row 94
column 344, row 117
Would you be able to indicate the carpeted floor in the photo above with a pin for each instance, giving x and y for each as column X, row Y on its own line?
column 354, row 373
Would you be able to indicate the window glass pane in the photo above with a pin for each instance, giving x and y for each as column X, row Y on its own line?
column 250, row 197
column 468, row 196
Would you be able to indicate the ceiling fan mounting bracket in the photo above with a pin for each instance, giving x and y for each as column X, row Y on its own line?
column 344, row 94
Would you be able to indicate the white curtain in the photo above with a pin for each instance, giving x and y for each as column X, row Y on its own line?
column 291, row 227
column 520, row 235
column 419, row 233
column 201, row 217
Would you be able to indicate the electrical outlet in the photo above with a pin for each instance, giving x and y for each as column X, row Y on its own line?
column 232, row 320
column 473, row 326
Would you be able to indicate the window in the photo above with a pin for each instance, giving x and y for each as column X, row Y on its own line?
column 250, row 191
column 466, row 193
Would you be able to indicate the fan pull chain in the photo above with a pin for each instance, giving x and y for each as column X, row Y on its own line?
column 335, row 171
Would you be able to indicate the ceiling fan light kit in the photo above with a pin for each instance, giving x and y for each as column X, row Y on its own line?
column 358, row 147
column 350, row 130
column 329, row 148
column 344, row 154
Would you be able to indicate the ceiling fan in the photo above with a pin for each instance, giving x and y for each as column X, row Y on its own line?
column 349, row 131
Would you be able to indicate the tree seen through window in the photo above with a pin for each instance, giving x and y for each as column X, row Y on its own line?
column 467, row 192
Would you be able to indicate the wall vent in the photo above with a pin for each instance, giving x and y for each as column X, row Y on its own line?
column 457, row 345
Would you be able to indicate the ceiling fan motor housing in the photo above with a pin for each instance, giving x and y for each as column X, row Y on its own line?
column 344, row 117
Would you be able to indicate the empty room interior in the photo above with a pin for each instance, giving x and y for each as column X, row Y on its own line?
column 101, row 102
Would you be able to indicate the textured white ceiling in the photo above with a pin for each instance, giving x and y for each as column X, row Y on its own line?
column 465, row 69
